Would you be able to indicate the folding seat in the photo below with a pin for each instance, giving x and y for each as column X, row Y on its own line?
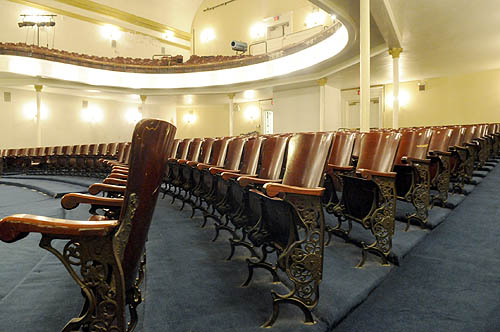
column 52, row 160
column 412, row 170
column 174, row 167
column 483, row 147
column 339, row 163
column 369, row 195
column 292, row 223
column 106, row 258
column 357, row 145
column 63, row 160
column 439, row 168
column 461, row 160
column 203, row 185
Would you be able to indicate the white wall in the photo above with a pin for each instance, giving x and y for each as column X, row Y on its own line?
column 333, row 108
column 296, row 110
column 64, row 124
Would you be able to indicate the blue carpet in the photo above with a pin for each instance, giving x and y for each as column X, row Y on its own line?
column 190, row 287
column 52, row 188
column 450, row 281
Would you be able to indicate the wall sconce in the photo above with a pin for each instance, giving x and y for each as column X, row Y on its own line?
column 249, row 94
column 133, row 116
column 189, row 118
column 404, row 99
column 258, row 30
column 29, row 111
column 252, row 113
column 112, row 33
column 207, row 35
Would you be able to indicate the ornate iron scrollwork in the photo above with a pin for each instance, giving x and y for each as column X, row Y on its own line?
column 443, row 180
column 420, row 195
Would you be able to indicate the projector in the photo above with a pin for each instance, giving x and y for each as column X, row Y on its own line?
column 239, row 46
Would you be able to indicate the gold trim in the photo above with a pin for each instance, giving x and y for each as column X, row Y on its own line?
column 38, row 87
column 143, row 98
column 230, row 95
column 422, row 145
column 94, row 21
column 322, row 81
column 98, row 8
column 395, row 52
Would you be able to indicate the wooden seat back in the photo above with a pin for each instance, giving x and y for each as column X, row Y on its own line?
column 234, row 152
column 206, row 150
column 357, row 144
column 307, row 158
column 470, row 131
column 183, row 148
column 102, row 149
column 174, row 148
column 194, row 149
column 271, row 157
column 457, row 136
column 251, row 152
column 378, row 151
column 414, row 144
column 150, row 142
column 342, row 147
column 440, row 140
column 218, row 154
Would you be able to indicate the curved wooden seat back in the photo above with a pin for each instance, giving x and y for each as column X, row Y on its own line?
column 271, row 157
column 47, row 151
column 218, row 154
column 470, row 131
column 491, row 129
column 119, row 150
column 357, row 144
column 483, row 130
column 126, row 154
column 206, row 150
column 84, row 149
column 457, row 136
column 414, row 144
column 378, row 151
column 440, row 140
column 194, row 150
column 31, row 152
column 101, row 149
column 251, row 152
column 342, row 147
column 66, row 150
column 58, row 150
column 174, row 148
column 150, row 142
column 478, row 132
column 39, row 152
column 234, row 153
column 307, row 159
column 92, row 150
column 111, row 149
column 183, row 148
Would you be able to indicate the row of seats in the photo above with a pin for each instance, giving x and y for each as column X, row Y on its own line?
column 116, row 63
column 81, row 160
column 270, row 192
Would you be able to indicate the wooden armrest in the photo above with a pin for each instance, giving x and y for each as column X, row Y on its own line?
column 17, row 226
column 408, row 160
column 121, row 176
column 273, row 189
column 201, row 166
column 118, row 182
column 182, row 161
column 246, row 180
column 71, row 201
column 230, row 175
column 368, row 173
column 218, row 170
column 439, row 153
column 119, row 171
column 192, row 163
column 97, row 188
column 471, row 144
column 171, row 160
column 340, row 168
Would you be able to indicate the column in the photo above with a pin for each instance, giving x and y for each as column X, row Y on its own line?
column 38, row 89
column 395, row 85
column 231, row 113
column 322, row 103
column 143, row 107
column 365, row 65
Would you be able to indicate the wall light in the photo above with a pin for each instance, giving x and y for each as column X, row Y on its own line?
column 29, row 111
column 111, row 32
column 252, row 113
column 207, row 35
column 404, row 99
column 133, row 115
column 188, row 99
column 92, row 114
column 258, row 30
column 189, row 118
column 315, row 18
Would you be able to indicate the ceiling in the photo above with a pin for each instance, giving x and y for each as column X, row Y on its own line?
column 439, row 38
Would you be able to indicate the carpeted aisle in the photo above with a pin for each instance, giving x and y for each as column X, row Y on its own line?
column 450, row 281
